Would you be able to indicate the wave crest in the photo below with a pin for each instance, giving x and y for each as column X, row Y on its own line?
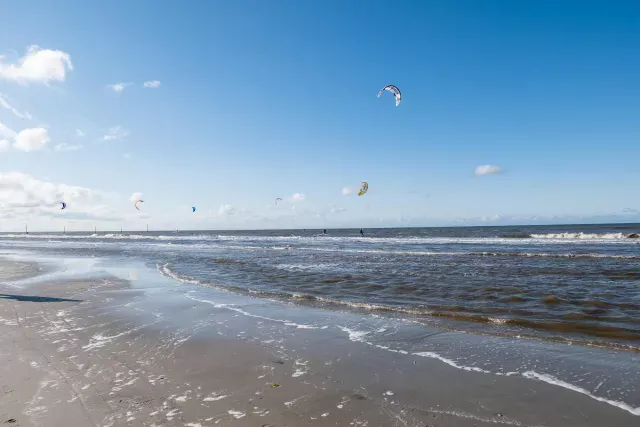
column 581, row 235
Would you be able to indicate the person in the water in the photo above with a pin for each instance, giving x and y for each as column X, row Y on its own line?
column 361, row 232
column 325, row 231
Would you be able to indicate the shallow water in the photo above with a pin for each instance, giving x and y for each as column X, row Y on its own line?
column 577, row 284
column 603, row 372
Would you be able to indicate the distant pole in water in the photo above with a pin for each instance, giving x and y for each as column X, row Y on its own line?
column 26, row 231
column 120, row 230
column 147, row 228
column 95, row 229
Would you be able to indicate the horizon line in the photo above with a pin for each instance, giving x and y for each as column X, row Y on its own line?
column 334, row 228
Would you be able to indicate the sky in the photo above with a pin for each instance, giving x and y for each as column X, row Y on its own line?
column 512, row 112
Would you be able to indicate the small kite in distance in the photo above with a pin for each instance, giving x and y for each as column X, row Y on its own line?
column 138, row 203
column 364, row 187
column 394, row 90
column 278, row 198
column 193, row 208
column 64, row 205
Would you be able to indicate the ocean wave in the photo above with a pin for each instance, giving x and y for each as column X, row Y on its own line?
column 396, row 247
column 233, row 307
column 573, row 326
column 553, row 255
column 581, row 235
column 165, row 270
column 413, row 252
column 478, row 254
column 503, row 239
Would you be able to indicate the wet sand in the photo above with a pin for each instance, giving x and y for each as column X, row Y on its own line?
column 101, row 353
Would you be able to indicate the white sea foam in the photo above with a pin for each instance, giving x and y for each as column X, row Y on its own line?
column 359, row 336
column 164, row 269
column 246, row 313
column 580, row 236
column 356, row 336
column 450, row 362
column 320, row 238
column 555, row 381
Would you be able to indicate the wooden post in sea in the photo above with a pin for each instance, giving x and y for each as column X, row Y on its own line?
column 26, row 230
column 95, row 228
column 147, row 228
column 64, row 231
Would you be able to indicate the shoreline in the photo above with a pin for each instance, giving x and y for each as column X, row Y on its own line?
column 608, row 320
column 120, row 336
column 448, row 321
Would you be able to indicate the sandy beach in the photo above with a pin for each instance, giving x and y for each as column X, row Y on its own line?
column 108, row 352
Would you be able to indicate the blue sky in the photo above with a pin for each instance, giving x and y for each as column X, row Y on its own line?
column 259, row 100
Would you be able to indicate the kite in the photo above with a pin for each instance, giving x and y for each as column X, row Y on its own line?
column 138, row 203
column 278, row 198
column 394, row 90
column 194, row 208
column 64, row 205
column 364, row 187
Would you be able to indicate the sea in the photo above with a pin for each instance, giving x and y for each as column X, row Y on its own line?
column 559, row 304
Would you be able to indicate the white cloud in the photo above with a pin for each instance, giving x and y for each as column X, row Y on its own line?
column 226, row 210
column 136, row 196
column 37, row 66
column 114, row 133
column 118, row 87
column 68, row 147
column 487, row 170
column 6, row 132
column 298, row 197
column 127, row 156
column 347, row 191
column 80, row 133
column 5, row 104
column 18, row 189
column 337, row 209
column 25, row 197
column 31, row 139
column 152, row 84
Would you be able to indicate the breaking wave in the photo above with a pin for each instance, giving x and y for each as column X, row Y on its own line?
column 397, row 240
column 581, row 235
